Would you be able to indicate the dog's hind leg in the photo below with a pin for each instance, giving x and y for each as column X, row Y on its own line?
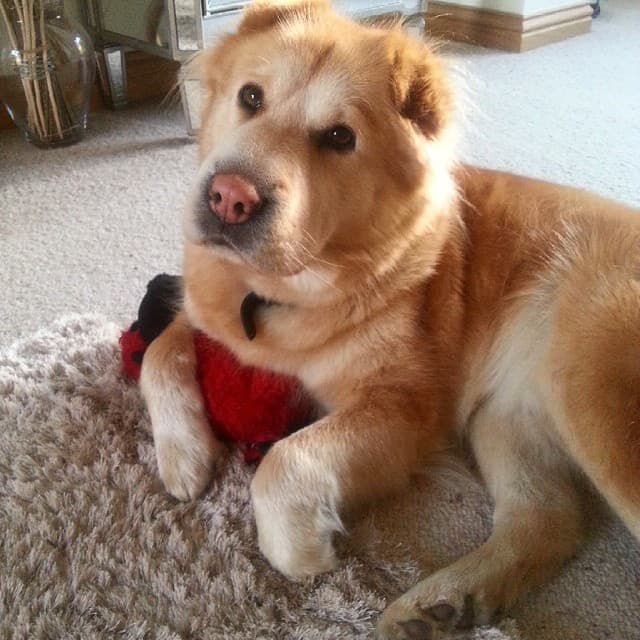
column 186, row 448
column 538, row 524
column 594, row 388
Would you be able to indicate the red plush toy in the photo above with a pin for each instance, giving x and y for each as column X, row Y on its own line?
column 248, row 406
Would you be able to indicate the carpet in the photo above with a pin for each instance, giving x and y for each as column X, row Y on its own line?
column 93, row 547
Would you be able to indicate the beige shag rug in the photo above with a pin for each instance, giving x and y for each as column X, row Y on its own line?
column 92, row 547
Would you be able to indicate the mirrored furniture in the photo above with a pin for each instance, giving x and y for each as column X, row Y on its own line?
column 177, row 29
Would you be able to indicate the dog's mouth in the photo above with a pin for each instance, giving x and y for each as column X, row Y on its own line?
column 253, row 243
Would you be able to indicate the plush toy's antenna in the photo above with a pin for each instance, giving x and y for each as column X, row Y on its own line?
column 248, row 310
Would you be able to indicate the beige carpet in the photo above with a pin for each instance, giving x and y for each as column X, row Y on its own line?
column 90, row 545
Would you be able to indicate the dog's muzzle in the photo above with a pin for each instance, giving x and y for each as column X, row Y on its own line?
column 234, row 209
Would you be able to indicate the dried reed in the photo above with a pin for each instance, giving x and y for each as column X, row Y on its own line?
column 48, row 116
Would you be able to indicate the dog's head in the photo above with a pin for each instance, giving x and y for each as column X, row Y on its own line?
column 320, row 144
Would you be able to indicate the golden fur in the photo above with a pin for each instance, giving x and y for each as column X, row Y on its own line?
column 420, row 301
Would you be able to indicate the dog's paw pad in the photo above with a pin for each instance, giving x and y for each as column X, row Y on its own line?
column 442, row 612
column 415, row 629
column 447, row 617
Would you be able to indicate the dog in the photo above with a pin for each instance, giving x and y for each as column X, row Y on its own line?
column 332, row 235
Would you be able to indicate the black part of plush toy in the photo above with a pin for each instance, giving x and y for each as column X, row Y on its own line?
column 159, row 306
column 252, row 407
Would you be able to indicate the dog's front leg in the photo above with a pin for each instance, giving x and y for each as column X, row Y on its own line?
column 347, row 457
column 185, row 445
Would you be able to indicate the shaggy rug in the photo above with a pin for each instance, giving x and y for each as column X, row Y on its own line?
column 92, row 546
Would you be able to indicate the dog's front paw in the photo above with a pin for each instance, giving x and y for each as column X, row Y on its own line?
column 186, row 448
column 295, row 505
column 186, row 460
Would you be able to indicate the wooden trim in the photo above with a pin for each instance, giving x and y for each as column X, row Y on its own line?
column 554, row 18
column 508, row 31
column 540, row 37
column 148, row 78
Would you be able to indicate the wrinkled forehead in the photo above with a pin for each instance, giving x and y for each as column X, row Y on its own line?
column 317, row 75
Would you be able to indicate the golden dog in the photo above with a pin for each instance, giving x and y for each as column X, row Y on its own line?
column 332, row 235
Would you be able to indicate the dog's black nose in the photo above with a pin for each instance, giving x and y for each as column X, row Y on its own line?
column 233, row 198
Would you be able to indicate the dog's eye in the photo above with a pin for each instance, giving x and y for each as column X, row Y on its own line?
column 339, row 138
column 251, row 97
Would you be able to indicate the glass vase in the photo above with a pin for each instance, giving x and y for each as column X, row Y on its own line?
column 47, row 69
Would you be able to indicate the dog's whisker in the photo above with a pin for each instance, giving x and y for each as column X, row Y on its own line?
column 316, row 258
column 319, row 260
column 292, row 256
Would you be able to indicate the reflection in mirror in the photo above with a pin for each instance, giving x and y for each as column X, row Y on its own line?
column 144, row 20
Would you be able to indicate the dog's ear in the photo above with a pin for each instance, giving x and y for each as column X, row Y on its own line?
column 419, row 85
column 263, row 14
